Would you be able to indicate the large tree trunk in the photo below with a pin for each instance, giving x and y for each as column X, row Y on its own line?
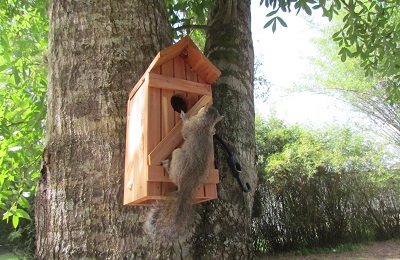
column 97, row 51
column 225, row 230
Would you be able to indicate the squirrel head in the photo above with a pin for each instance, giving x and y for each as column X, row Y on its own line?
column 211, row 113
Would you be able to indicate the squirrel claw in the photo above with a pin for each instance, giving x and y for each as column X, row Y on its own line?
column 165, row 164
column 184, row 117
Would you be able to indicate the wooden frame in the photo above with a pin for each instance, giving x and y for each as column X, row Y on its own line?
column 154, row 129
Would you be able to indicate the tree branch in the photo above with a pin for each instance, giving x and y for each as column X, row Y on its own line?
column 192, row 26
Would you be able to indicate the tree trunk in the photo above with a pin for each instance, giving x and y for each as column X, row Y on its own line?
column 97, row 51
column 225, row 230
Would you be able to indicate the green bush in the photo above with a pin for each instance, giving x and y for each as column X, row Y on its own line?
column 322, row 188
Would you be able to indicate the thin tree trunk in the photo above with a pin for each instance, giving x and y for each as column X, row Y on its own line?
column 225, row 229
column 97, row 51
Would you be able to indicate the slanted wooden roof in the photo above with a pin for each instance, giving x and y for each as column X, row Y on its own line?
column 189, row 52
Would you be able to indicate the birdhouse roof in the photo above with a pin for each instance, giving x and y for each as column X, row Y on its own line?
column 189, row 52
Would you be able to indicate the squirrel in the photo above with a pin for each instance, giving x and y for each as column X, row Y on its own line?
column 188, row 169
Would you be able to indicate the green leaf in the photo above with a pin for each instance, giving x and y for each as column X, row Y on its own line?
column 307, row 9
column 272, row 13
column 22, row 214
column 23, row 202
column 281, row 21
column 269, row 23
column 274, row 26
column 15, row 221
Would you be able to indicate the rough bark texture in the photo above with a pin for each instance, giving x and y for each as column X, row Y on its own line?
column 97, row 51
column 225, row 230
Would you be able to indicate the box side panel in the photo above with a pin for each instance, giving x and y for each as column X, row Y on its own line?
column 155, row 129
column 135, row 154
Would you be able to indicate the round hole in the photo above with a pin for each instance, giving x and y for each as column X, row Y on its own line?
column 178, row 103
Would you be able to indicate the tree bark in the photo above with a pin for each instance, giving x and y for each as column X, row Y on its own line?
column 97, row 51
column 225, row 229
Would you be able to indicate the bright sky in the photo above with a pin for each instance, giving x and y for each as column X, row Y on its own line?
column 285, row 60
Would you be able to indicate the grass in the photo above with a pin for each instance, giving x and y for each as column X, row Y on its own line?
column 7, row 255
column 318, row 250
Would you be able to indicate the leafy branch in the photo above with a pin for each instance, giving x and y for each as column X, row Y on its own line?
column 370, row 31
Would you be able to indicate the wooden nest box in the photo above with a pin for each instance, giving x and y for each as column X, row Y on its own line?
column 179, row 78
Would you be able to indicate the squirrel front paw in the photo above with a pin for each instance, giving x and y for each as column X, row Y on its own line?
column 166, row 165
column 184, row 116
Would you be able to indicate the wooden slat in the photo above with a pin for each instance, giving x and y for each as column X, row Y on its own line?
column 170, row 52
column 156, row 174
column 169, row 83
column 136, row 146
column 187, row 50
column 199, row 192
column 179, row 73
column 201, row 64
column 210, row 191
column 191, row 76
column 167, row 112
column 137, row 86
column 174, row 137
column 154, row 129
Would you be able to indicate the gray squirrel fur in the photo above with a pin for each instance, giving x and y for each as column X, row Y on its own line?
column 189, row 167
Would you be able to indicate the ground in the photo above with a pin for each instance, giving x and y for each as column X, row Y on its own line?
column 389, row 250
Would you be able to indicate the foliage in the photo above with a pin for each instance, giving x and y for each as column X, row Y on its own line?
column 347, row 81
column 369, row 31
column 319, row 188
column 23, row 44
column 189, row 17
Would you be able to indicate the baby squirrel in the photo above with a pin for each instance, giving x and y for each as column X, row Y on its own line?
column 188, row 169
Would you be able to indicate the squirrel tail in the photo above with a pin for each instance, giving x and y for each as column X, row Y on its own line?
column 170, row 220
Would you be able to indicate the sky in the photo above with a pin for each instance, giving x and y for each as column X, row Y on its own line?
column 285, row 57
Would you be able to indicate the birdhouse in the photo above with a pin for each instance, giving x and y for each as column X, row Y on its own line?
column 179, row 78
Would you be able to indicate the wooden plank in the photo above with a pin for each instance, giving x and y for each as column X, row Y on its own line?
column 191, row 76
column 167, row 112
column 156, row 174
column 137, row 86
column 199, row 62
column 179, row 73
column 210, row 191
column 170, row 52
column 169, row 83
column 189, row 52
column 199, row 192
column 154, row 129
column 174, row 137
column 136, row 146
column 154, row 188
column 168, row 187
column 179, row 68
